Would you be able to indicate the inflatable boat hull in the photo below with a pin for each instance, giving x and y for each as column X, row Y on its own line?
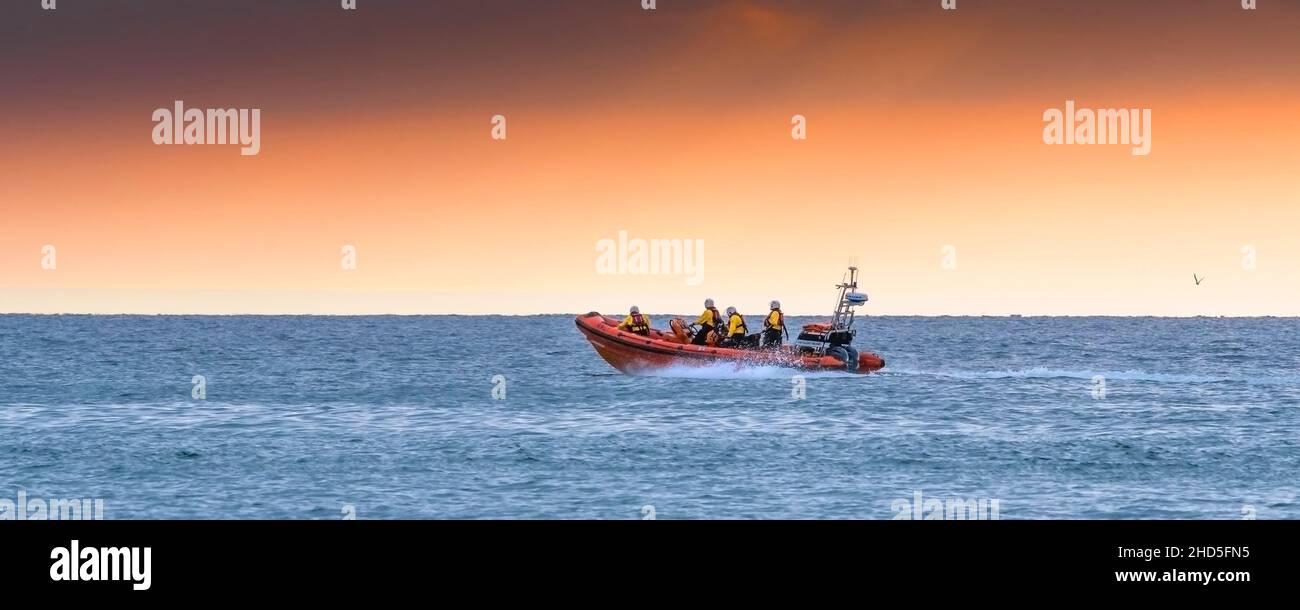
column 633, row 353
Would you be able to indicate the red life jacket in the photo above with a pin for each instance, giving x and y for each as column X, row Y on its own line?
column 638, row 325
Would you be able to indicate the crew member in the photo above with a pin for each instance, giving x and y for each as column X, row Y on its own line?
column 774, row 326
column 736, row 329
column 635, row 322
column 709, row 320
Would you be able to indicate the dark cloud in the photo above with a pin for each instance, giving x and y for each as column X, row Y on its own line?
column 448, row 53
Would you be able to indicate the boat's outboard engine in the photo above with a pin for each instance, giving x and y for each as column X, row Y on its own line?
column 845, row 354
column 835, row 339
column 851, row 364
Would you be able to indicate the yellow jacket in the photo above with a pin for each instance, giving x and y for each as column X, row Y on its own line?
column 710, row 317
column 775, row 320
column 736, row 326
column 629, row 324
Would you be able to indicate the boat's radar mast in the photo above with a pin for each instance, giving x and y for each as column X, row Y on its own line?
column 849, row 298
column 836, row 339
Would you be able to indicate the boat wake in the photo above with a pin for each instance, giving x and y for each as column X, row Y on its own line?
column 744, row 371
column 1046, row 373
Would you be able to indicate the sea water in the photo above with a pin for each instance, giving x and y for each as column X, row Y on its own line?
column 518, row 417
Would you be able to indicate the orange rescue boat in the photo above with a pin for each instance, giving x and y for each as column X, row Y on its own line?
column 823, row 346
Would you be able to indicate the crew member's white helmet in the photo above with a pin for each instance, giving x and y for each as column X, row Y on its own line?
column 776, row 304
column 731, row 310
column 635, row 309
column 708, row 302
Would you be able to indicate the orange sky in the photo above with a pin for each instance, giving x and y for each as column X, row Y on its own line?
column 924, row 130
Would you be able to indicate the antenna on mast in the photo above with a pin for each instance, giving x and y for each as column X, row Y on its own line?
column 849, row 298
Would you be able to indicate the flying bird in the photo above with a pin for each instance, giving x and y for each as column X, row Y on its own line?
column 1197, row 279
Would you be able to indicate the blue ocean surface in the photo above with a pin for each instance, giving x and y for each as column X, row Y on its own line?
column 394, row 417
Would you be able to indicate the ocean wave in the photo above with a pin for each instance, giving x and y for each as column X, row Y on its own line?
column 1040, row 372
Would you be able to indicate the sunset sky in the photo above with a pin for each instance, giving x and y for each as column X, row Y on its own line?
column 925, row 130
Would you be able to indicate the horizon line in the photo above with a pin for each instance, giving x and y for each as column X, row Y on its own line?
column 574, row 314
